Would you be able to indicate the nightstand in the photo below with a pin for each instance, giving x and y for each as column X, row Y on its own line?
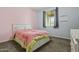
column 74, row 40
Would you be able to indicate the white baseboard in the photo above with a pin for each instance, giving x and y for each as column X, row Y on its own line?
column 60, row 37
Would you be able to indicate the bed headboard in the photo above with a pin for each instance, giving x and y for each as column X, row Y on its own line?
column 20, row 26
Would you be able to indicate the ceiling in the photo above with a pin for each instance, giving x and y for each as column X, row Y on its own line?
column 39, row 8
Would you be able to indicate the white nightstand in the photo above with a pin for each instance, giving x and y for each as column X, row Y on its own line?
column 74, row 40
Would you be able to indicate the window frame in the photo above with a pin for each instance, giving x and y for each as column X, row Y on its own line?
column 55, row 21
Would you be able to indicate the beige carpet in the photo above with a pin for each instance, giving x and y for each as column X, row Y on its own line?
column 55, row 45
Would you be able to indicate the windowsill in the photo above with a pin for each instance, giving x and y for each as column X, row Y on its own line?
column 49, row 27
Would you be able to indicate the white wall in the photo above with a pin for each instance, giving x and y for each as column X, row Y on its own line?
column 9, row 16
column 72, row 16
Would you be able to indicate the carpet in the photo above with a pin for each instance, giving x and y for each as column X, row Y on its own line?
column 55, row 45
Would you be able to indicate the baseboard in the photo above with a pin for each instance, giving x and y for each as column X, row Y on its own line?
column 4, row 41
column 60, row 37
column 11, row 38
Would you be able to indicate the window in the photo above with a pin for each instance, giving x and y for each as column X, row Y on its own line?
column 50, row 18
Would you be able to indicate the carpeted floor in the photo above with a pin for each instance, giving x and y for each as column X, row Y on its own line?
column 55, row 45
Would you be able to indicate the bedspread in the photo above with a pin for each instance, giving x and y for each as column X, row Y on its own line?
column 30, row 34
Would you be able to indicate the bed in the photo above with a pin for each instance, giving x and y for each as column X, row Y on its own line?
column 28, row 38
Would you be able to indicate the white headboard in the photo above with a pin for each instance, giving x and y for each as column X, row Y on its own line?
column 20, row 26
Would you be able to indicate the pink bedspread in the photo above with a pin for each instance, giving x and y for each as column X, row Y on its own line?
column 29, row 34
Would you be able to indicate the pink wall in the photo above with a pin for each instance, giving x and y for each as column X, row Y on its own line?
column 9, row 16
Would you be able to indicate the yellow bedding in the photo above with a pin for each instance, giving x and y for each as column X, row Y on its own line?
column 29, row 46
